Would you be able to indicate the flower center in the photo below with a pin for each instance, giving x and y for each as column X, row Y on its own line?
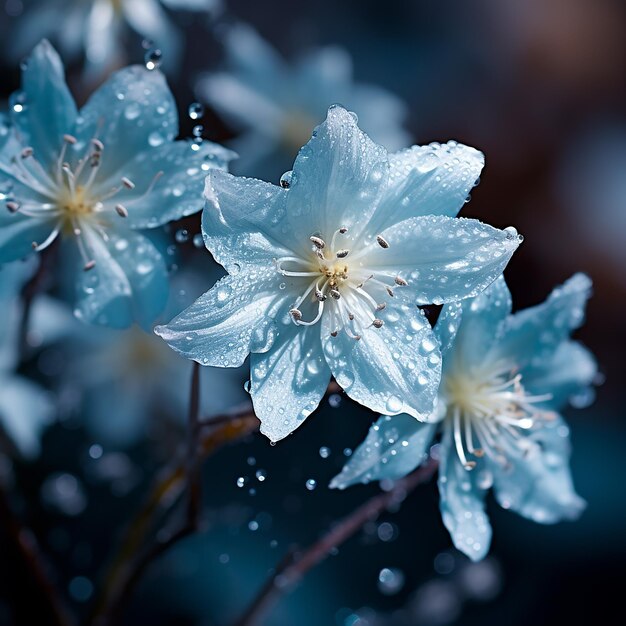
column 338, row 279
column 489, row 409
column 68, row 193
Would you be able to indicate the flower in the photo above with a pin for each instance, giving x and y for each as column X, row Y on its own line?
column 97, row 28
column 97, row 178
column 277, row 105
column 504, row 378
column 25, row 407
column 326, row 270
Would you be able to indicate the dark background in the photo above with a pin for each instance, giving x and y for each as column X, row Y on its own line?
column 539, row 86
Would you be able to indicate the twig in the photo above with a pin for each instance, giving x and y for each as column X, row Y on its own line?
column 133, row 558
column 295, row 566
column 36, row 563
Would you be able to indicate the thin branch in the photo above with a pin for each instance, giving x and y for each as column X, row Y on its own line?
column 296, row 565
column 36, row 563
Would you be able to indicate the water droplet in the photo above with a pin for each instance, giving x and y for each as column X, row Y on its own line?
column 155, row 139
column 241, row 481
column 285, row 180
column 311, row 484
column 394, row 404
column 181, row 236
column 324, row 452
column 153, row 58
column 195, row 110
column 261, row 475
column 334, row 400
column 390, row 581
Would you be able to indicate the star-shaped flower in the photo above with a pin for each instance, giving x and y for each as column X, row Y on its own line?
column 97, row 178
column 504, row 378
column 325, row 273
column 276, row 104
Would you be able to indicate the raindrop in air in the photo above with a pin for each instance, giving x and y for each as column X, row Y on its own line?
column 195, row 110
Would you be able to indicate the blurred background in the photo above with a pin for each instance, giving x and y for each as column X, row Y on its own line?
column 540, row 87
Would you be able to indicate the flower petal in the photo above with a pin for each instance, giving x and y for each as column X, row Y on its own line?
column 288, row 381
column 462, row 502
column 393, row 369
column 49, row 110
column 244, row 221
column 427, row 180
column 537, row 482
column 129, row 282
column 25, row 410
column 443, row 258
column 533, row 334
column 394, row 446
column 482, row 320
column 228, row 322
column 338, row 178
column 568, row 373
column 132, row 112
column 168, row 181
column 18, row 232
column 447, row 326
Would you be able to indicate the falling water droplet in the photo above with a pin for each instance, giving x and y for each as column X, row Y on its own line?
column 153, row 58
column 195, row 110
column 311, row 484
column 390, row 581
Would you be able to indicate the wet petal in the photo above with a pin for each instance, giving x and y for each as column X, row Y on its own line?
column 394, row 446
column 228, row 322
column 49, row 110
column 132, row 112
column 245, row 221
column 427, row 180
column 533, row 334
column 128, row 283
column 393, row 369
column 536, row 482
column 288, row 381
column 168, row 181
column 482, row 320
column 462, row 502
column 442, row 258
column 568, row 373
column 338, row 178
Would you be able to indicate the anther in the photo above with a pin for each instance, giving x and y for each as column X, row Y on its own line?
column 89, row 265
column 27, row 152
column 382, row 242
column 470, row 465
column 400, row 281
column 381, row 306
column 13, row 207
column 320, row 295
column 129, row 184
column 343, row 230
column 357, row 337
column 122, row 211
column 478, row 452
column 351, row 316
column 335, row 294
column 98, row 146
column 342, row 254
column 317, row 242
column 296, row 314
column 377, row 323
column 69, row 139
column 34, row 245
column 320, row 254
column 334, row 333
column 389, row 291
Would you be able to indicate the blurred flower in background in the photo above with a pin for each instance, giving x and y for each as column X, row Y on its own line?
column 275, row 104
column 97, row 30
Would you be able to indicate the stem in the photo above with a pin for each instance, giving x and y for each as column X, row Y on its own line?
column 133, row 557
column 296, row 565
column 36, row 563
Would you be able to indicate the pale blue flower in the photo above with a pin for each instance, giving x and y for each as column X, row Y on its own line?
column 276, row 105
column 97, row 178
column 25, row 408
column 325, row 273
column 96, row 29
column 504, row 378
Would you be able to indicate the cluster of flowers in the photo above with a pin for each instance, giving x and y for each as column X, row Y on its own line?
column 326, row 274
